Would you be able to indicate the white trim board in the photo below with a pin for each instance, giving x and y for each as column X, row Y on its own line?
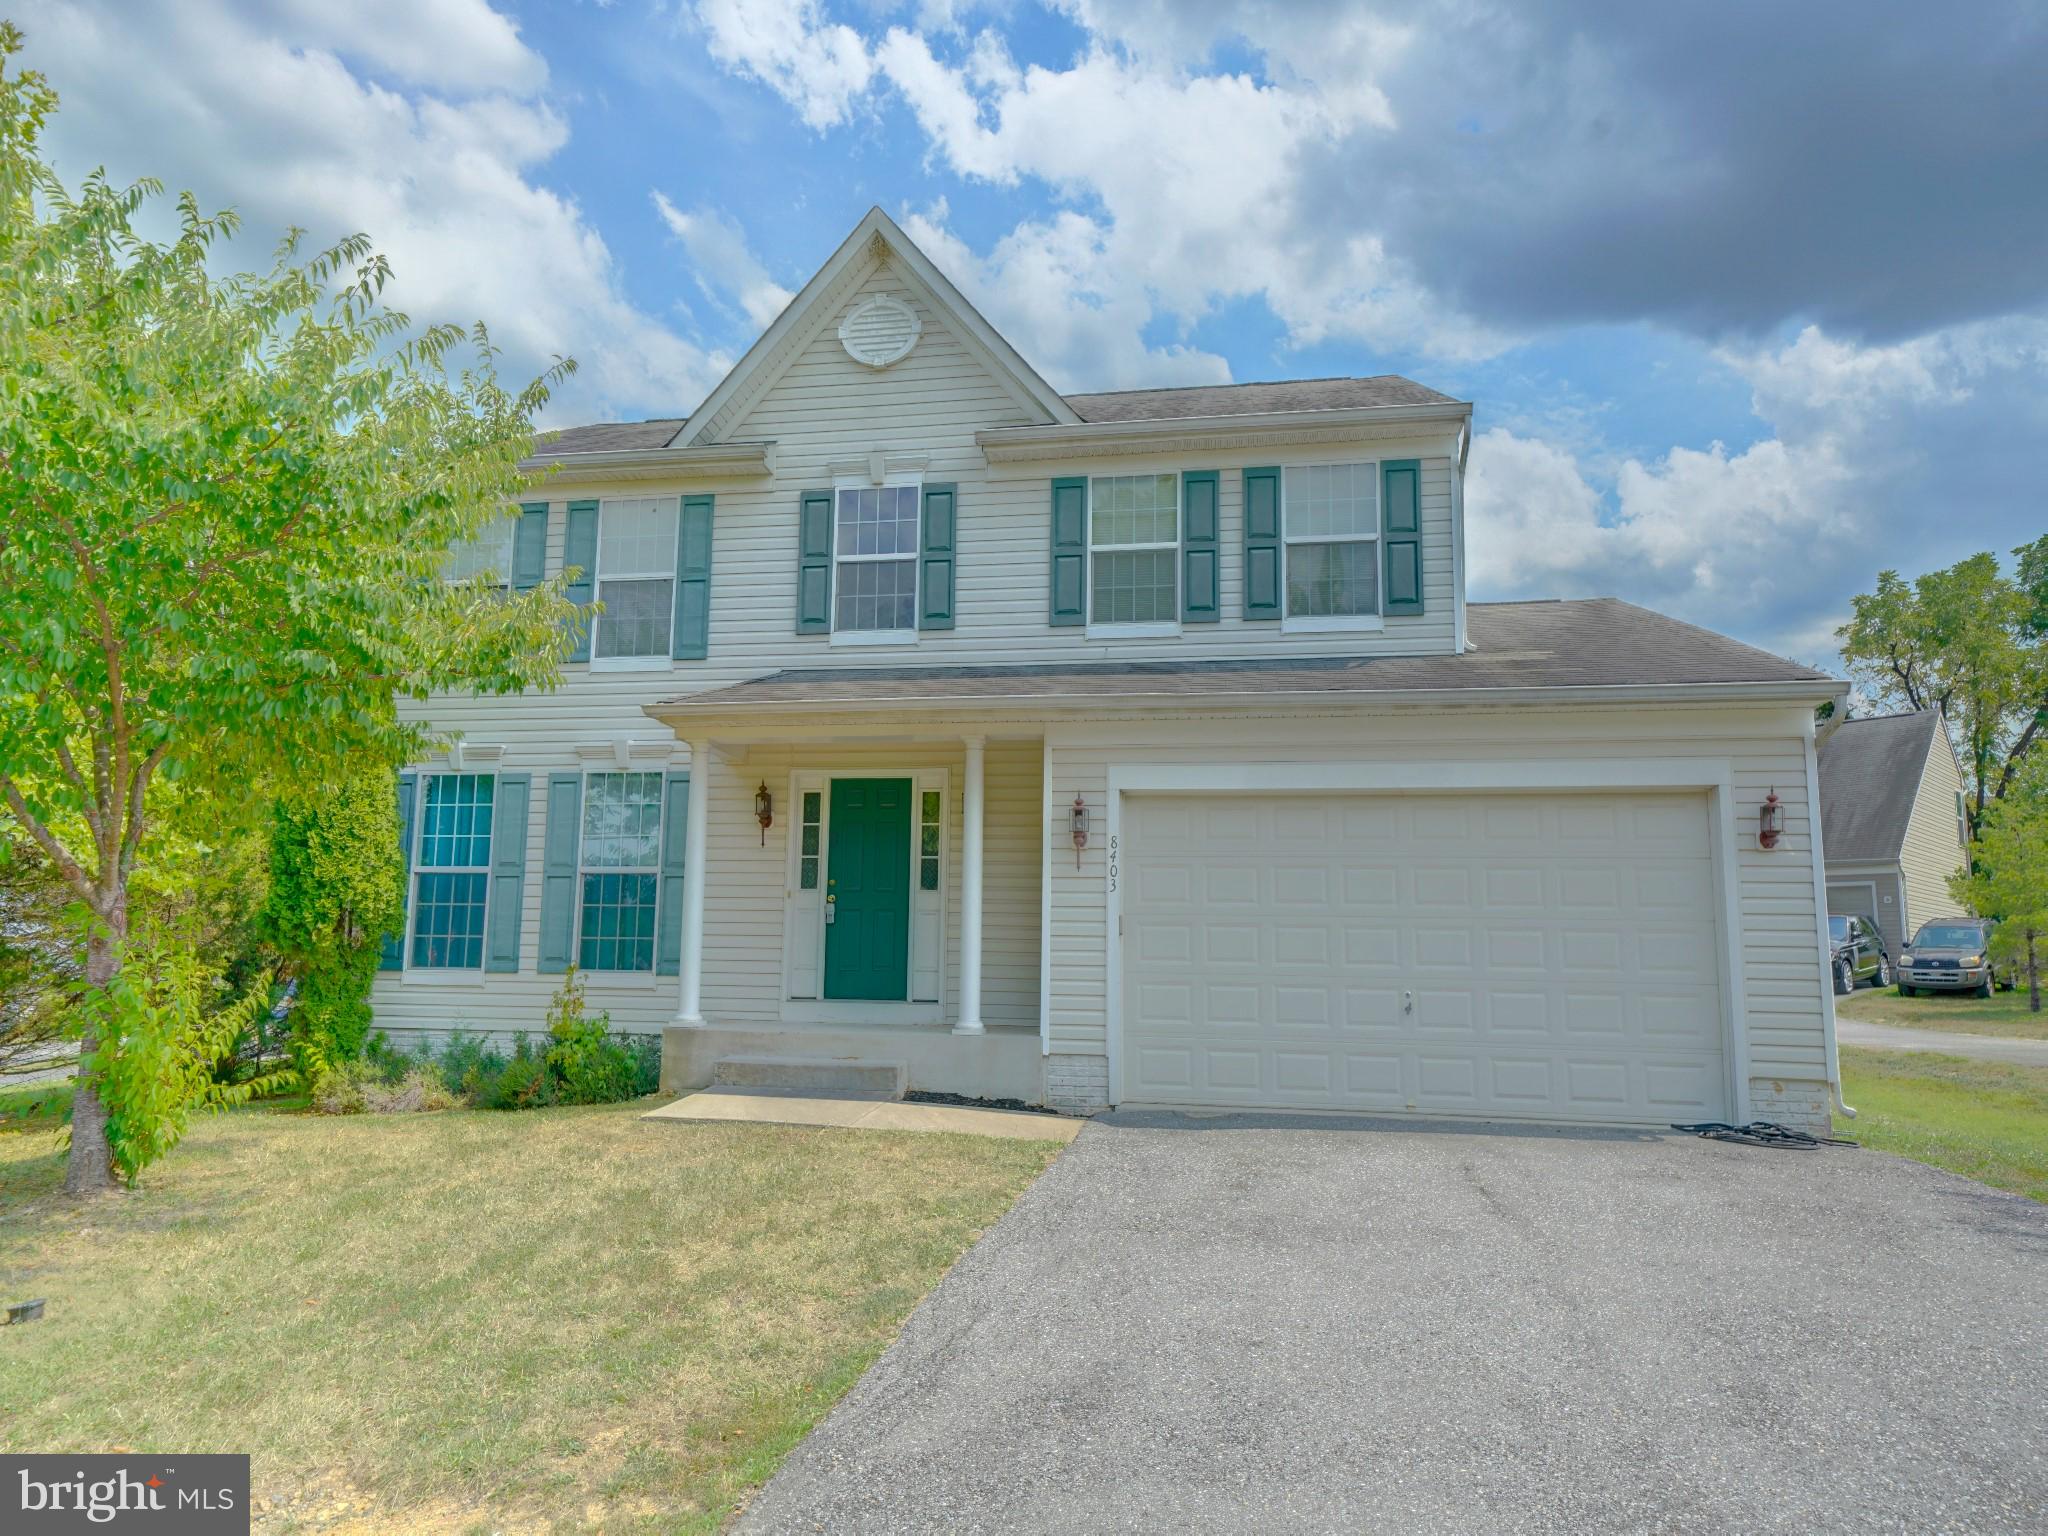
column 1713, row 776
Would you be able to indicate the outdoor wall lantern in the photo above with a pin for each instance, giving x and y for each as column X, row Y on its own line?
column 764, row 810
column 1770, row 821
column 1079, row 817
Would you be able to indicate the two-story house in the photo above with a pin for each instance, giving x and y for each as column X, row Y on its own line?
column 1131, row 748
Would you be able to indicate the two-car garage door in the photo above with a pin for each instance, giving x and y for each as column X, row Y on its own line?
column 1516, row 955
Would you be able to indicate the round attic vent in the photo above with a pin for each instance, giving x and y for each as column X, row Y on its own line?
column 879, row 331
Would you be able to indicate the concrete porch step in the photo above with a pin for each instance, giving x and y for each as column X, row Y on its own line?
column 798, row 1074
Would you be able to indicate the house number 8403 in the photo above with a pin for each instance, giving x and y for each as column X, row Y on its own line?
column 1112, row 863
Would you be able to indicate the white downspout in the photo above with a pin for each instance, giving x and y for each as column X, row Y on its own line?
column 1820, row 918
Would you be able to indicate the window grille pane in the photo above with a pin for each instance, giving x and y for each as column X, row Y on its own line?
column 1135, row 587
column 808, row 878
column 878, row 520
column 636, row 537
column 618, row 923
column 622, row 821
column 928, row 874
column 876, row 594
column 1332, row 501
column 636, row 617
column 455, row 826
column 1134, row 509
column 807, row 864
column 488, row 555
column 929, row 807
column 1326, row 580
column 448, row 925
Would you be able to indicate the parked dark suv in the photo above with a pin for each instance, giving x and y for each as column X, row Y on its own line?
column 1859, row 954
column 1950, row 954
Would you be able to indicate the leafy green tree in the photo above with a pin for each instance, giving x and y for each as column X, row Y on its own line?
column 2009, row 878
column 230, row 500
column 336, row 887
column 1970, row 641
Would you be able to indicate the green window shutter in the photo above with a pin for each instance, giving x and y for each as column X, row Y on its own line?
column 1262, row 571
column 530, row 547
column 1070, row 550
column 692, row 638
column 508, row 872
column 668, row 919
column 814, row 564
column 579, row 549
column 561, row 844
column 1401, row 533
column 392, row 957
column 1200, row 599
column 935, row 552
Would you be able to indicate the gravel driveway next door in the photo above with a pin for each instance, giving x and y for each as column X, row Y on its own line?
column 1228, row 1324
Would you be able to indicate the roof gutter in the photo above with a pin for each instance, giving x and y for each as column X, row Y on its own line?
column 689, row 708
column 721, row 461
column 1012, row 444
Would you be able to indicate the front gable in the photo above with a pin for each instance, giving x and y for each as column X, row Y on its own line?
column 878, row 267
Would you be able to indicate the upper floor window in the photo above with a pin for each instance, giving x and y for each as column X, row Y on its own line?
column 487, row 557
column 451, row 874
column 1330, row 524
column 636, row 572
column 1134, row 550
column 875, row 549
column 620, row 871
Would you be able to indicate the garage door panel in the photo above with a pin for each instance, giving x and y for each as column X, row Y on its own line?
column 1549, row 957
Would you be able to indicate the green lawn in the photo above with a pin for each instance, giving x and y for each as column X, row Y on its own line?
column 2003, row 1013
column 563, row 1319
column 1983, row 1119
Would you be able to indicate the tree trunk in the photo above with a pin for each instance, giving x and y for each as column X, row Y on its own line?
column 2033, row 975
column 90, row 1170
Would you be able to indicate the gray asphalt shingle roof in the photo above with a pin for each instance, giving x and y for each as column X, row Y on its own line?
column 1116, row 405
column 1595, row 642
column 1252, row 399
column 1869, row 775
column 612, row 437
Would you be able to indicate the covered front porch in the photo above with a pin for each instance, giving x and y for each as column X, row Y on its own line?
column 860, row 895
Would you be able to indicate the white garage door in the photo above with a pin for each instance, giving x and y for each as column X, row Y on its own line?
column 1531, row 956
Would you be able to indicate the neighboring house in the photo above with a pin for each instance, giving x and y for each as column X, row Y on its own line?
column 1894, row 822
column 1136, row 747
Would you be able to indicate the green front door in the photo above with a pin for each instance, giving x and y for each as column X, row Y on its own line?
column 867, row 890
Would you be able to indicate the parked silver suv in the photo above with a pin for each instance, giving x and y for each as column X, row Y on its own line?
column 1950, row 954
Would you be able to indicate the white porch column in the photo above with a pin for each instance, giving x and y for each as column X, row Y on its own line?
column 690, row 1010
column 970, row 894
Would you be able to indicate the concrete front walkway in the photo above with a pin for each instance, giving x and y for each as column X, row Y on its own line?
column 1898, row 1037
column 1227, row 1324
column 864, row 1112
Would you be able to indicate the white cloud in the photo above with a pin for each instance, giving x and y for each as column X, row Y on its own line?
column 230, row 102
column 725, row 265
column 817, row 66
column 460, row 45
column 1053, row 288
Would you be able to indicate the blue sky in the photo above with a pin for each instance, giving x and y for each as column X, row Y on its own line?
column 1750, row 299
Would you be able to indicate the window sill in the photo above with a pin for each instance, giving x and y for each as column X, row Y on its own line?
column 631, row 663
column 1133, row 631
column 1335, row 623
column 874, row 637
column 423, row 977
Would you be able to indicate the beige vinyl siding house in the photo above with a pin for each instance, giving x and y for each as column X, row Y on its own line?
column 1130, row 748
column 1894, row 821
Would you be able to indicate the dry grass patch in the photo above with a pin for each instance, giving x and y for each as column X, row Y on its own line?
column 565, row 1319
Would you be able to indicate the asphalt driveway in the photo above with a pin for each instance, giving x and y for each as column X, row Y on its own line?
column 1228, row 1324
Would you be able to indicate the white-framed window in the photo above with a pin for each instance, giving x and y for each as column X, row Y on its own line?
column 1330, row 526
column 636, row 579
column 874, row 552
column 619, row 876
column 1962, row 820
column 452, row 871
column 1134, row 553
column 486, row 558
